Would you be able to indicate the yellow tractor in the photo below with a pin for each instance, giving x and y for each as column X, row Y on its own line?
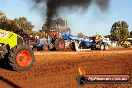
column 13, row 51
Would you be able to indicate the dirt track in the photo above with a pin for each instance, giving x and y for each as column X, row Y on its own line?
column 60, row 69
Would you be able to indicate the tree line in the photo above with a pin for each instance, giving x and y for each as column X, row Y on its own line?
column 20, row 26
column 119, row 30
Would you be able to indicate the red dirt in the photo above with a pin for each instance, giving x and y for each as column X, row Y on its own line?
column 60, row 69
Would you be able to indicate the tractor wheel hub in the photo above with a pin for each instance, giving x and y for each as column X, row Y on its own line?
column 21, row 58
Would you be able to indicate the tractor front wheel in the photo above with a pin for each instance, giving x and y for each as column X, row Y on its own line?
column 21, row 57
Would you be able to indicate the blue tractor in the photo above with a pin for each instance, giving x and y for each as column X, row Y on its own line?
column 54, row 42
column 85, row 43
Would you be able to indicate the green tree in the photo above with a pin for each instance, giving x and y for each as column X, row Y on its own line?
column 80, row 35
column 119, row 31
column 23, row 23
column 9, row 25
column 2, row 15
column 18, row 25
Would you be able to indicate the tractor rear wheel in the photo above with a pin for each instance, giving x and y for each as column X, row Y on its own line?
column 73, row 46
column 59, row 44
column 21, row 57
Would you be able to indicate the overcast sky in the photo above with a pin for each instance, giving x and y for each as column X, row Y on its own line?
column 90, row 22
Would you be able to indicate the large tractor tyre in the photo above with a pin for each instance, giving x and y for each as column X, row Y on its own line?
column 73, row 46
column 59, row 44
column 102, row 47
column 21, row 57
column 106, row 47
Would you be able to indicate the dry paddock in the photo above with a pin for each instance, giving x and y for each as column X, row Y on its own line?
column 60, row 69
